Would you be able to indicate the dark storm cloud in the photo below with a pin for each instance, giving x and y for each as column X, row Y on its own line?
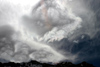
column 86, row 49
column 89, row 49
column 85, row 41
column 6, row 31
column 6, row 42
column 8, row 49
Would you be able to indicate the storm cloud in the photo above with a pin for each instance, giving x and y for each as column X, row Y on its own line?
column 49, row 30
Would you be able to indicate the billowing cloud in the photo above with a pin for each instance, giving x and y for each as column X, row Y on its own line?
column 52, row 21
column 47, row 31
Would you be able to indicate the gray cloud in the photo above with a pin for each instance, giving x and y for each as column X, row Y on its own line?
column 24, row 35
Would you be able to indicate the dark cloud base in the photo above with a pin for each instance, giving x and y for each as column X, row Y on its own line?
column 87, row 49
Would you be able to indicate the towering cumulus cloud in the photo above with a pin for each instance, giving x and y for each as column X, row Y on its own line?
column 35, row 30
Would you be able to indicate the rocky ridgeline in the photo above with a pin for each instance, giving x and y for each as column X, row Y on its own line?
column 38, row 64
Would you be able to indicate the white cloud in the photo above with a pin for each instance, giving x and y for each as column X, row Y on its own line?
column 63, row 23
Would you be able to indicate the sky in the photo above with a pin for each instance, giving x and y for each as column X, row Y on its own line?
column 49, row 31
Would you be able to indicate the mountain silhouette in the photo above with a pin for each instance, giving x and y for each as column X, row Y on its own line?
column 38, row 64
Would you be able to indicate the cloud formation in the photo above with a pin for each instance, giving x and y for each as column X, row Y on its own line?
column 58, row 23
column 46, row 32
